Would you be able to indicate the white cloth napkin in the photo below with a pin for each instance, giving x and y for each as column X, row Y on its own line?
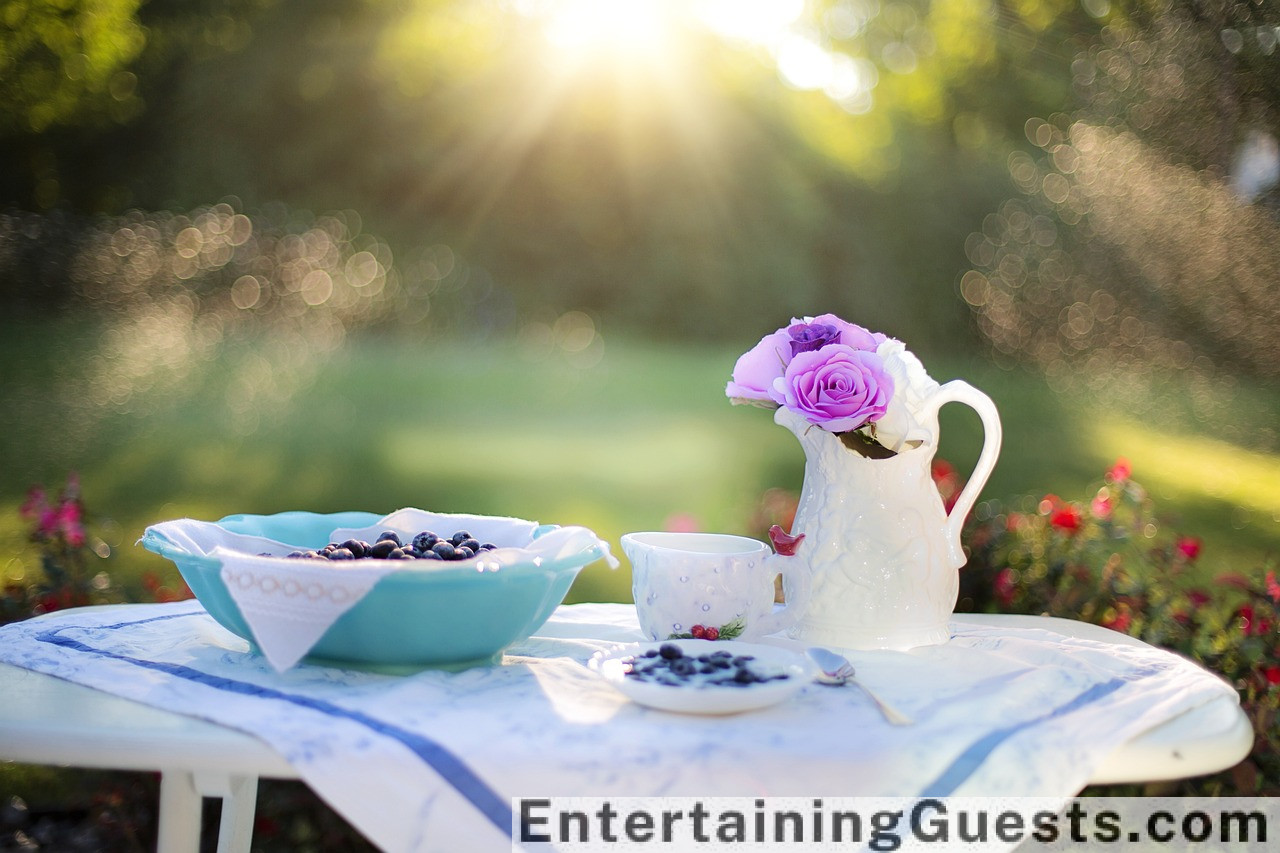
column 430, row 762
column 290, row 603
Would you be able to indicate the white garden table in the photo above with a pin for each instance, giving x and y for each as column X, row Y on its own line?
column 45, row 720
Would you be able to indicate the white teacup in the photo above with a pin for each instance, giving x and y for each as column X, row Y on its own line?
column 686, row 583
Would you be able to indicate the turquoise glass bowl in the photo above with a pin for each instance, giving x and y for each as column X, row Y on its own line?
column 444, row 618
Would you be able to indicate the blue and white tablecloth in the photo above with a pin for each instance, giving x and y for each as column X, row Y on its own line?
column 432, row 761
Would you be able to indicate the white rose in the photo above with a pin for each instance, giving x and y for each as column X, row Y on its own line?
column 902, row 425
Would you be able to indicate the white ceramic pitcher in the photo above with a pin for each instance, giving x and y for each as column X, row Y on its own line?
column 880, row 554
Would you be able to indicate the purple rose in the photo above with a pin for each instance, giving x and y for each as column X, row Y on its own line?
column 838, row 388
column 756, row 370
column 807, row 337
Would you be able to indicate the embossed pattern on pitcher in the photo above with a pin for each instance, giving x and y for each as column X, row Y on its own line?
column 880, row 551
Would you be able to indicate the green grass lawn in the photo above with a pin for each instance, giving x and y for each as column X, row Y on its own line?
column 490, row 426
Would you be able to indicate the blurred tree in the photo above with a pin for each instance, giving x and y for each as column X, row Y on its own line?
column 702, row 168
column 1147, row 235
column 68, row 63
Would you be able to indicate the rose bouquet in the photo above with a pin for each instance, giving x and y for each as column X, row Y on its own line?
column 863, row 386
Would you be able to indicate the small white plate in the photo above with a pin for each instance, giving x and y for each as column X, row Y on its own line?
column 697, row 695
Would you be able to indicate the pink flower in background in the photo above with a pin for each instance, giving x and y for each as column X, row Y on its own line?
column 71, row 522
column 1120, row 471
column 1005, row 583
column 35, row 504
column 681, row 522
column 47, row 526
column 838, row 388
column 1189, row 546
column 1273, row 588
column 1102, row 505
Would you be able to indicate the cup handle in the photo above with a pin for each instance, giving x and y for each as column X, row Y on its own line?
column 795, row 580
column 959, row 391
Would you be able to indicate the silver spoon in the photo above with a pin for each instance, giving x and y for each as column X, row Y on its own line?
column 836, row 670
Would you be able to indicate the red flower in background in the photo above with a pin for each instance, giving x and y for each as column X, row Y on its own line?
column 1272, row 675
column 1066, row 518
column 948, row 482
column 1118, row 620
column 1273, row 588
column 1251, row 623
column 1189, row 546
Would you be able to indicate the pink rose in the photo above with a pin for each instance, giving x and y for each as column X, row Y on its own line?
column 756, row 370
column 838, row 388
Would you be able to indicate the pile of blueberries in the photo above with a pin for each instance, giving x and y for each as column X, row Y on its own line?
column 669, row 665
column 425, row 546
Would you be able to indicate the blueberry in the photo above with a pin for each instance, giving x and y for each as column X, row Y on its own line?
column 488, row 546
column 424, row 540
column 684, row 666
column 383, row 548
column 459, row 537
column 744, row 676
column 389, row 535
column 670, row 651
column 471, row 543
column 401, row 555
column 445, row 551
column 341, row 554
column 357, row 547
column 430, row 555
column 651, row 653
column 464, row 553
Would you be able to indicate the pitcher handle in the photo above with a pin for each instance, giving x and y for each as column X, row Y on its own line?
column 959, row 391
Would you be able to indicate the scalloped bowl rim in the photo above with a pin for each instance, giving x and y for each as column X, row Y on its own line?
column 515, row 583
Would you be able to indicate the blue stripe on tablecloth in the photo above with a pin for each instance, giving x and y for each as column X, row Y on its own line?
column 968, row 762
column 449, row 766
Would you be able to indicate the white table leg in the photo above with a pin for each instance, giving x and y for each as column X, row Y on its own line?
column 179, row 830
column 181, row 800
column 236, row 828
